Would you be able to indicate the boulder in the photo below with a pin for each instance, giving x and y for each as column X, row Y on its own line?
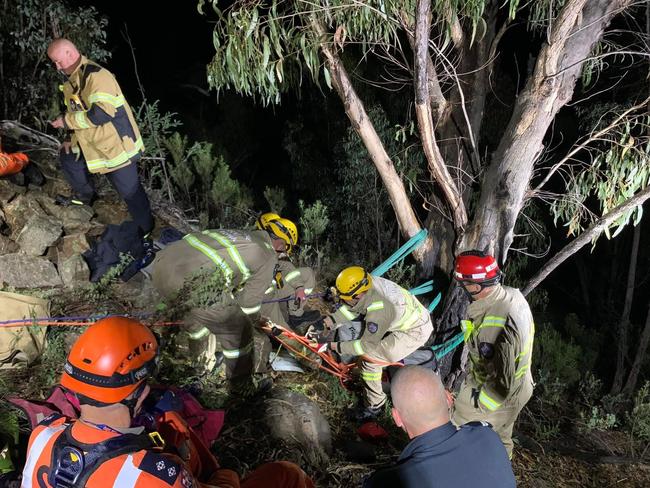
column 74, row 270
column 39, row 233
column 110, row 211
column 7, row 246
column 8, row 190
column 294, row 419
column 20, row 210
column 74, row 219
column 71, row 245
column 23, row 271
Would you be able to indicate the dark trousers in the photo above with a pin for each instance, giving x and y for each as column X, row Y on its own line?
column 125, row 181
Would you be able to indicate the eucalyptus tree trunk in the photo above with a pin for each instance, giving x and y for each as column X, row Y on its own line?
column 639, row 358
column 622, row 331
column 505, row 182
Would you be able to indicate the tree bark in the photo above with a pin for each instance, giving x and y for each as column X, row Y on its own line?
column 639, row 358
column 624, row 323
column 579, row 26
column 591, row 233
column 356, row 112
column 437, row 165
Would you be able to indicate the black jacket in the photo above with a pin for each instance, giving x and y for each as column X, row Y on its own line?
column 469, row 457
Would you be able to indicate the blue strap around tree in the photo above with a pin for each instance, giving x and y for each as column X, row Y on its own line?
column 411, row 245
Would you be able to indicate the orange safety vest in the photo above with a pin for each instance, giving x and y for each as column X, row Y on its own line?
column 12, row 163
column 141, row 469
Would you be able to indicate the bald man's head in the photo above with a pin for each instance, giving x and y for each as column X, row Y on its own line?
column 419, row 399
column 64, row 54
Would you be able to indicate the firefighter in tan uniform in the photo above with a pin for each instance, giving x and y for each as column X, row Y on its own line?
column 396, row 324
column 288, row 282
column 499, row 333
column 245, row 260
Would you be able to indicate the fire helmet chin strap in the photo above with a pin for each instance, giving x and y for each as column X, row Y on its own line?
column 481, row 284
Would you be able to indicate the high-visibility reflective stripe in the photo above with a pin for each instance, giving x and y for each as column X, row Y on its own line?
column 107, row 98
column 371, row 376
column 80, row 119
column 251, row 310
column 212, row 254
column 357, row 347
column 128, row 475
column 493, row 321
column 467, row 327
column 123, row 157
column 199, row 333
column 522, row 371
column 347, row 313
column 378, row 305
column 269, row 290
column 35, row 452
column 308, row 291
column 411, row 314
column 235, row 353
column 234, row 253
column 488, row 402
column 294, row 274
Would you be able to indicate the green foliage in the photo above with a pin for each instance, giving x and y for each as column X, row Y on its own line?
column 403, row 274
column 555, row 359
column 639, row 418
column 619, row 169
column 266, row 47
column 314, row 220
column 102, row 290
column 29, row 81
column 276, row 198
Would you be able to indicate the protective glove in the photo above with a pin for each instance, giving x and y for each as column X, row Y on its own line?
column 300, row 296
column 320, row 329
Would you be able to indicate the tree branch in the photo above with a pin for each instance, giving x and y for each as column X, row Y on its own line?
column 587, row 236
column 437, row 165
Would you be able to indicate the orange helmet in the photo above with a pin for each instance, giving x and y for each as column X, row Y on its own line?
column 110, row 360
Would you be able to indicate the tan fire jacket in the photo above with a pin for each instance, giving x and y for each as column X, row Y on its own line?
column 246, row 260
column 499, row 333
column 387, row 308
column 101, row 121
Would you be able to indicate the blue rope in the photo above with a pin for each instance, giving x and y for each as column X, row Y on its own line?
column 412, row 244
column 441, row 350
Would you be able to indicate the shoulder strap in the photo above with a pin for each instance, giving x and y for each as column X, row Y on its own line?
column 73, row 462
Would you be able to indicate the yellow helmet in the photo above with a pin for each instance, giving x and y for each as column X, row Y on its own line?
column 353, row 281
column 263, row 220
column 284, row 229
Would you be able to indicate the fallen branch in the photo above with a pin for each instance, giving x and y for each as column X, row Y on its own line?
column 24, row 135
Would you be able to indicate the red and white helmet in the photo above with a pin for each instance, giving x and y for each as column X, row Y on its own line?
column 477, row 267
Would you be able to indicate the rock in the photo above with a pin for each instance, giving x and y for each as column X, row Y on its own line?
column 7, row 246
column 8, row 190
column 20, row 210
column 74, row 270
column 111, row 212
column 39, row 233
column 71, row 245
column 23, row 271
column 74, row 218
column 295, row 419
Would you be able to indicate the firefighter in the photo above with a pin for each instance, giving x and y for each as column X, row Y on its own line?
column 499, row 333
column 244, row 262
column 286, row 296
column 101, row 137
column 396, row 324
column 107, row 369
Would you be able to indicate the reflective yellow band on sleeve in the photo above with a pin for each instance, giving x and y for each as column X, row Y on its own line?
column 107, row 98
column 212, row 254
column 346, row 312
column 374, row 306
column 251, row 310
column 269, row 290
column 236, row 353
column 493, row 321
column 488, row 402
column 232, row 251
column 371, row 376
column 199, row 333
column 294, row 274
column 357, row 347
column 80, row 119
column 308, row 291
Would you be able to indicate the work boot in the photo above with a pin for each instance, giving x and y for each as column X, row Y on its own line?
column 361, row 413
column 205, row 352
column 67, row 201
column 247, row 387
column 150, row 250
column 300, row 322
